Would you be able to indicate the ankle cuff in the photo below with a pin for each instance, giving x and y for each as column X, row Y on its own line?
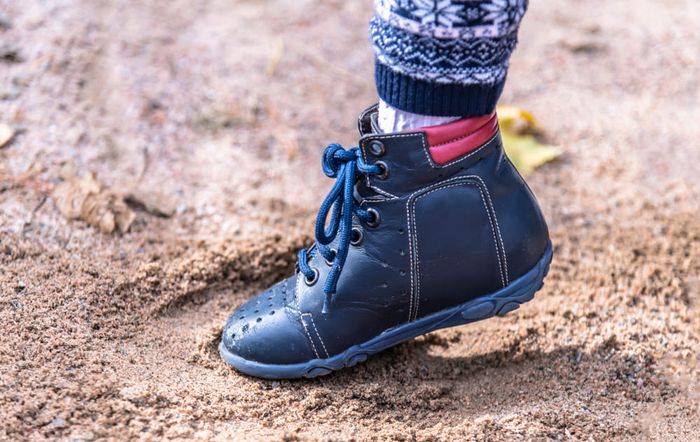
column 426, row 98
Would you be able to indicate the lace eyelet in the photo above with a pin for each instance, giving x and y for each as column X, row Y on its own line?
column 376, row 219
column 376, row 148
column 385, row 170
column 313, row 280
column 330, row 262
column 356, row 236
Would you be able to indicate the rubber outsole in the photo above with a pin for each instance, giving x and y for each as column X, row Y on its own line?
column 498, row 303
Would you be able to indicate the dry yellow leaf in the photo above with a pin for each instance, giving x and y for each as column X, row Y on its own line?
column 275, row 57
column 6, row 134
column 519, row 131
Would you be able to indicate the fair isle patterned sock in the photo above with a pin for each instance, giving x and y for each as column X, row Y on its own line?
column 444, row 57
column 392, row 120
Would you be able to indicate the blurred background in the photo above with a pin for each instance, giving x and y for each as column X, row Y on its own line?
column 159, row 163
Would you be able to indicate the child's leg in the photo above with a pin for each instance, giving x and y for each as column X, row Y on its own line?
column 441, row 59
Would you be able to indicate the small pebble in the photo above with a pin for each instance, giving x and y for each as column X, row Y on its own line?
column 58, row 423
column 10, row 53
column 5, row 22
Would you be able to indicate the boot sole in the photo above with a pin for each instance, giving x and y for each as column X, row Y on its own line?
column 498, row 303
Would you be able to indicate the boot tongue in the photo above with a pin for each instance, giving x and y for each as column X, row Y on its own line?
column 367, row 124
column 367, row 121
column 374, row 123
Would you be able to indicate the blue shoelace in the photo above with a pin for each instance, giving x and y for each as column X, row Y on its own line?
column 345, row 166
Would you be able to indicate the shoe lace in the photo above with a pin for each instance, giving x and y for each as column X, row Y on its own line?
column 345, row 166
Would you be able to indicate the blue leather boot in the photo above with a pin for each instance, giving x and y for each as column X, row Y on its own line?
column 427, row 229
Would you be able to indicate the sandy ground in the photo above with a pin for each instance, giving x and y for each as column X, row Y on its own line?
column 225, row 106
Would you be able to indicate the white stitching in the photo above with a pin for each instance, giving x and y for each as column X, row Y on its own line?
column 367, row 180
column 422, row 137
column 313, row 323
column 364, row 141
column 373, row 200
column 483, row 201
column 410, row 219
column 301, row 319
column 464, row 157
column 417, row 265
column 373, row 137
column 461, row 137
column 498, row 228
column 414, row 234
column 297, row 292
column 378, row 190
column 410, row 256
column 493, row 232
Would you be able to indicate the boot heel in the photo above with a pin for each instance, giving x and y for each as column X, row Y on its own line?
column 511, row 297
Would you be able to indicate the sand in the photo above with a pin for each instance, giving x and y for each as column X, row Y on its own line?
column 224, row 107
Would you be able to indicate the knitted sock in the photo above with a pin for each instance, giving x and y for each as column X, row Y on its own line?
column 391, row 119
column 443, row 58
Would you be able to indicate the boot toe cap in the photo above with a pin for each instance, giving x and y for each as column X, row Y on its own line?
column 267, row 330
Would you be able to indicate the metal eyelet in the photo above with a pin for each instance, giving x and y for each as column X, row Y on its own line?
column 330, row 262
column 377, row 148
column 313, row 280
column 356, row 236
column 374, row 222
column 385, row 170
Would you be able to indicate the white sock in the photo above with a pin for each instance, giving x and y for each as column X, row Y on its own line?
column 395, row 120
